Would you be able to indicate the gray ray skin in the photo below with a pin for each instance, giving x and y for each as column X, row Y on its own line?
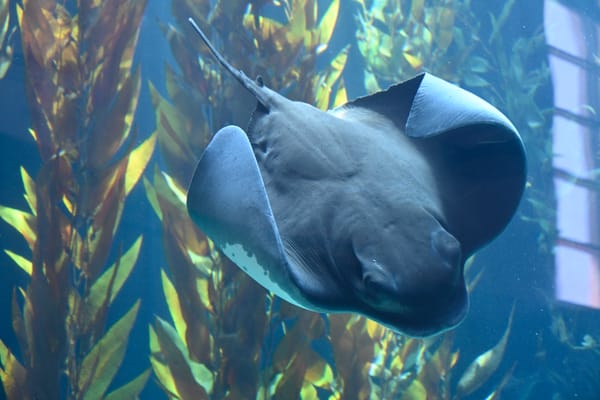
column 372, row 207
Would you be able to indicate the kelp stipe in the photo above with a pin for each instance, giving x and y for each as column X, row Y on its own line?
column 83, row 96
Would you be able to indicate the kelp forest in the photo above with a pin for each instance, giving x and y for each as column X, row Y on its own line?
column 204, row 329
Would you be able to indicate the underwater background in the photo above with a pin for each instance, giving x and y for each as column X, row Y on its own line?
column 108, row 291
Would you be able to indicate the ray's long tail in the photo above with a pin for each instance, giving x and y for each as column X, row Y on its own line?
column 254, row 87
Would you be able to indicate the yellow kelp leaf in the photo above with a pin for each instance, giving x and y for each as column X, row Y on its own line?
column 415, row 62
column 130, row 390
column 102, row 363
column 397, row 365
column 268, row 29
column 202, row 289
column 171, row 125
column 12, row 375
column 454, row 358
column 204, row 265
column 162, row 371
column 138, row 160
column 21, row 261
column 328, row 22
column 415, row 391
column 325, row 83
column 21, row 221
column 68, row 205
column 296, row 28
column 375, row 330
column 152, row 198
column 192, row 379
column 172, row 299
column 319, row 374
column 341, row 96
column 29, row 186
column 308, row 392
column 102, row 288
column 177, row 190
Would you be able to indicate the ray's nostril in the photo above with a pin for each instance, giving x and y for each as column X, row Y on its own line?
column 446, row 246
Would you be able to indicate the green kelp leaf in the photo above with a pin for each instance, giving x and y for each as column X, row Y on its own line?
column 130, row 390
column 371, row 84
column 29, row 186
column 21, row 221
column 415, row 391
column 474, row 80
column 21, row 261
column 101, row 364
column 192, row 379
column 12, row 375
column 101, row 287
column 472, row 283
column 173, row 304
column 478, row 64
column 138, row 160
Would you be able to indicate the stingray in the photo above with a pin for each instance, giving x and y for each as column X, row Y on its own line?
column 370, row 208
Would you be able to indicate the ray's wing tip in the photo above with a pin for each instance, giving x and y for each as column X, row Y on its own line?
column 440, row 106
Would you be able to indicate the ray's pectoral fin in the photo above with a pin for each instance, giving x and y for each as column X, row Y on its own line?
column 228, row 201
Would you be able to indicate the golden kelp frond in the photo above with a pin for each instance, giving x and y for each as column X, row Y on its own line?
column 396, row 44
column 22, row 221
column 83, row 96
column 175, row 141
column 6, row 50
column 296, row 368
column 12, row 374
column 178, row 374
column 353, row 351
column 301, row 38
column 100, row 365
column 325, row 83
column 203, row 298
